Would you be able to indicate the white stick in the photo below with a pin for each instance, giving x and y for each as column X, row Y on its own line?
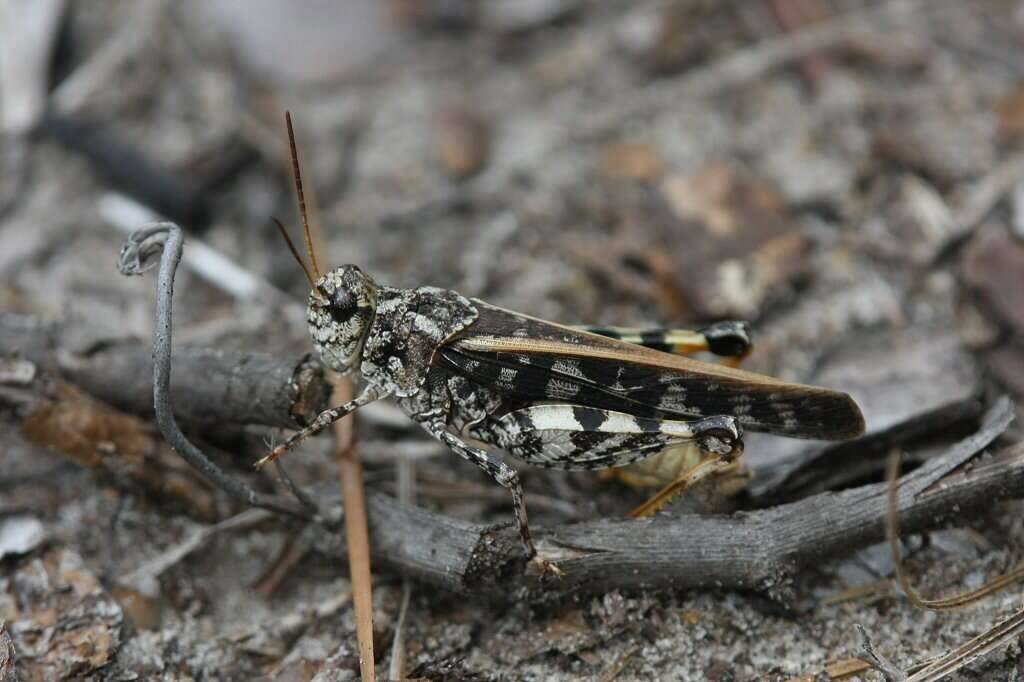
column 128, row 215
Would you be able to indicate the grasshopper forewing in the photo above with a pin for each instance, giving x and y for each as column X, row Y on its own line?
column 548, row 361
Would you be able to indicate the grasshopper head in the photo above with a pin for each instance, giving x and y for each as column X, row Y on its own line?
column 341, row 307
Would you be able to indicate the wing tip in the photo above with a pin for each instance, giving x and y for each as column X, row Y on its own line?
column 828, row 415
column 847, row 422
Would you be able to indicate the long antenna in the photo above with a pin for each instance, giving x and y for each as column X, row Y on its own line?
column 295, row 253
column 302, row 196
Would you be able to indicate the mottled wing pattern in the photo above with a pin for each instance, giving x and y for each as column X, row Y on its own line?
column 533, row 360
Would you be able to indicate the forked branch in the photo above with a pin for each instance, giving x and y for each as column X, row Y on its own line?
column 759, row 550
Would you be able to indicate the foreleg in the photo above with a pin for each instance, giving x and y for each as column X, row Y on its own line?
column 322, row 421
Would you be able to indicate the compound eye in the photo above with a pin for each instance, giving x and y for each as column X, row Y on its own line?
column 343, row 299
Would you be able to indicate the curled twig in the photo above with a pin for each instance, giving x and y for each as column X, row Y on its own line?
column 889, row 671
column 136, row 258
column 892, row 532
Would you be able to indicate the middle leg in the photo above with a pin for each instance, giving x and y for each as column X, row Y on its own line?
column 505, row 476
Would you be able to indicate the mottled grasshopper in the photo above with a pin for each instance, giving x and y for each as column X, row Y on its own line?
column 551, row 395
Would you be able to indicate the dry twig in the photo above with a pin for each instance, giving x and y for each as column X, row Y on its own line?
column 290, row 555
column 101, row 68
column 356, row 534
column 759, row 550
column 889, row 671
column 893, row 538
column 142, row 578
column 210, row 386
column 167, row 239
column 996, row 637
column 406, row 475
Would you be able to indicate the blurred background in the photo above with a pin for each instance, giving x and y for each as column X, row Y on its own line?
column 847, row 175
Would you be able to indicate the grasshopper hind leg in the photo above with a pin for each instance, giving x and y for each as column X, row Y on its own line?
column 577, row 437
column 729, row 340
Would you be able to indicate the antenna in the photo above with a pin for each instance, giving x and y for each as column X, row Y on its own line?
column 302, row 196
column 295, row 253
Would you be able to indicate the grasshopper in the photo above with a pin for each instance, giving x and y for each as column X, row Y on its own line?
column 551, row 395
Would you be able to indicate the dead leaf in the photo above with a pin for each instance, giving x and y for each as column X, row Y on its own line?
column 731, row 239
column 96, row 436
column 993, row 265
column 1010, row 111
column 461, row 142
column 629, row 161
column 63, row 624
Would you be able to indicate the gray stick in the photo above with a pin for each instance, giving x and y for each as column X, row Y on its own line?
column 760, row 550
column 210, row 386
column 139, row 249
